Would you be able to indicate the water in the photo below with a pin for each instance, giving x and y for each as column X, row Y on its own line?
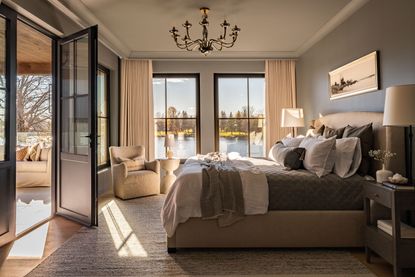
column 187, row 147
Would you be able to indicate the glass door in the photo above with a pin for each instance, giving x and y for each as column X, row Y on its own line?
column 77, row 130
column 7, row 124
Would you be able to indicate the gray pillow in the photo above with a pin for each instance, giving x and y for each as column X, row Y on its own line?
column 289, row 157
column 365, row 134
column 329, row 132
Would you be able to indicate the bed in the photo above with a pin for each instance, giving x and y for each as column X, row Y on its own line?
column 311, row 222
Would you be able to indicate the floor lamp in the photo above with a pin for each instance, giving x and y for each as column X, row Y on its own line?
column 292, row 118
column 400, row 111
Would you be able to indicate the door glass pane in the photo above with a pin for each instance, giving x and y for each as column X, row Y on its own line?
column 233, row 136
column 2, row 88
column 256, row 137
column 82, row 66
column 184, row 131
column 160, row 134
column 81, row 122
column 67, row 69
column 233, row 97
column 67, row 138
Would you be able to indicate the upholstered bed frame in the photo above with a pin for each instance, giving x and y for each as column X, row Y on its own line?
column 295, row 228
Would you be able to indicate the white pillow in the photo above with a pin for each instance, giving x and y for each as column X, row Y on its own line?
column 292, row 142
column 319, row 155
column 348, row 156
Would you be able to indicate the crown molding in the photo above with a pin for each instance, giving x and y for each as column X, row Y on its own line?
column 82, row 16
column 195, row 55
column 333, row 23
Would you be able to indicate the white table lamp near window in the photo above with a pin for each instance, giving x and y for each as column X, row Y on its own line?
column 400, row 111
column 169, row 143
column 292, row 118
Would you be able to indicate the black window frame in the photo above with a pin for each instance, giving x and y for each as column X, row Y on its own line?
column 107, row 72
column 196, row 76
column 218, row 76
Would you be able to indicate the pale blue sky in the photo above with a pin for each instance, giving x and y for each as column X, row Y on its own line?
column 232, row 95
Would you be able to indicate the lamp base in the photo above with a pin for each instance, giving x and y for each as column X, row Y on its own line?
column 169, row 154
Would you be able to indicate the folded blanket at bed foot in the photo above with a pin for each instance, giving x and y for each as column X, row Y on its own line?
column 223, row 190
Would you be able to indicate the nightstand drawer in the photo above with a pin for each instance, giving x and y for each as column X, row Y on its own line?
column 379, row 194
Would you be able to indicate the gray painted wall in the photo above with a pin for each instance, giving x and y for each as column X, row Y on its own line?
column 384, row 25
column 206, row 69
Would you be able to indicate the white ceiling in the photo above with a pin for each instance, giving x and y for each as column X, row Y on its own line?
column 270, row 28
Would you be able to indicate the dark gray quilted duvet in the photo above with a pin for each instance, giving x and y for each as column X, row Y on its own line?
column 302, row 190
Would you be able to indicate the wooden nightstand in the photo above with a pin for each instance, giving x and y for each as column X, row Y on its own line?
column 398, row 251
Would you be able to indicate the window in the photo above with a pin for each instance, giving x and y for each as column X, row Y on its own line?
column 103, row 93
column 176, row 112
column 240, row 114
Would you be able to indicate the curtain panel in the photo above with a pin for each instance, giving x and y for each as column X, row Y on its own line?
column 280, row 93
column 136, row 105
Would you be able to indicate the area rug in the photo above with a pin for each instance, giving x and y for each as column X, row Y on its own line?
column 130, row 241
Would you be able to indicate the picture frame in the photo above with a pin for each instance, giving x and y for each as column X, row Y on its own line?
column 357, row 77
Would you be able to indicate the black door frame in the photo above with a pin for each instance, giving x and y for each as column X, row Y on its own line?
column 54, row 38
column 9, row 162
column 92, row 33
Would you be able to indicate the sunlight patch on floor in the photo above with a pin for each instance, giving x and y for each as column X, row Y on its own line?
column 31, row 246
column 125, row 241
column 29, row 214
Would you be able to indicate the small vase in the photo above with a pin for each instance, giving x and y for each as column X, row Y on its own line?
column 383, row 174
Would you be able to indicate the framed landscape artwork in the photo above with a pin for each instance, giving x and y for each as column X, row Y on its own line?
column 357, row 77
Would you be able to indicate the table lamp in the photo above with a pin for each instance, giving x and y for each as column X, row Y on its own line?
column 400, row 111
column 169, row 143
column 292, row 118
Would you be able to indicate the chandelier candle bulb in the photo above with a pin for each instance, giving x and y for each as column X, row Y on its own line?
column 204, row 44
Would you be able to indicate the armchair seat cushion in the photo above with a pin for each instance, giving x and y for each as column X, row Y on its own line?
column 140, row 176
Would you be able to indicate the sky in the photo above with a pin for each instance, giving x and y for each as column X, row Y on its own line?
column 233, row 94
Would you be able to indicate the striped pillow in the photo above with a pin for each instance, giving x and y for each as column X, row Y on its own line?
column 21, row 153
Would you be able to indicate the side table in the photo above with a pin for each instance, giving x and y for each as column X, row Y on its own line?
column 394, row 248
column 169, row 166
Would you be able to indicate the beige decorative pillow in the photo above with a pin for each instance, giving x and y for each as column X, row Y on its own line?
column 31, row 154
column 122, row 159
column 38, row 152
column 21, row 153
column 44, row 154
column 133, row 165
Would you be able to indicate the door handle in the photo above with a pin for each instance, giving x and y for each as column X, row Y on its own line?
column 90, row 139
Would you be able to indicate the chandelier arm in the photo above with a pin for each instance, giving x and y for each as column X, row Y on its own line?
column 204, row 44
column 223, row 43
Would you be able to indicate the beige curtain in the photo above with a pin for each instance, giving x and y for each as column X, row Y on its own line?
column 280, row 93
column 136, row 107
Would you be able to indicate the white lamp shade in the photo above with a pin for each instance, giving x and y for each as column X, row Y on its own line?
column 399, row 106
column 292, row 117
column 169, row 141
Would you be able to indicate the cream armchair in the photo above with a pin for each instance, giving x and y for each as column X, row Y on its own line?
column 131, row 184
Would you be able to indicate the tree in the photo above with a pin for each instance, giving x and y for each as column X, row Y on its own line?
column 33, row 103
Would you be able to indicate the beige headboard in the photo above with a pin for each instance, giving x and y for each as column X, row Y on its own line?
column 390, row 138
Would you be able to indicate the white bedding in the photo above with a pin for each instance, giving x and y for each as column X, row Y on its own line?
column 183, row 199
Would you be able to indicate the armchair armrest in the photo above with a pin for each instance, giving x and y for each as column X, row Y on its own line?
column 153, row 166
column 119, row 172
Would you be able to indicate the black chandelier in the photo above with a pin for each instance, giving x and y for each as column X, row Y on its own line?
column 204, row 44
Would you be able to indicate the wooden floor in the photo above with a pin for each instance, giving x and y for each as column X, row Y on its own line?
column 61, row 229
